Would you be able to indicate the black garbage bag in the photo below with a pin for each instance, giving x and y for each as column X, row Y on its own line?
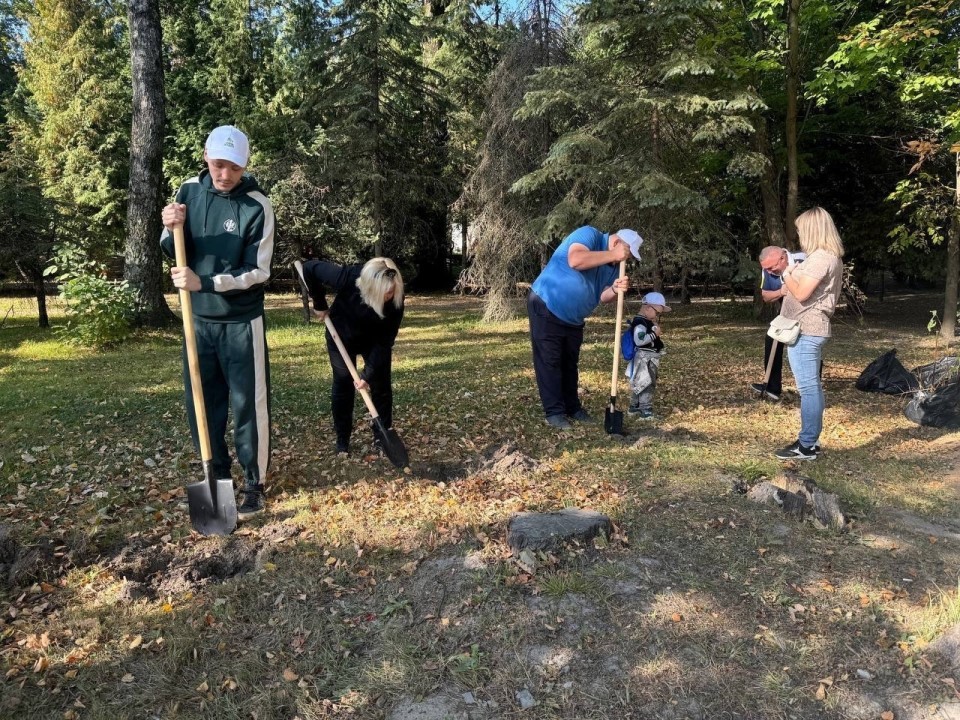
column 938, row 408
column 937, row 374
column 887, row 375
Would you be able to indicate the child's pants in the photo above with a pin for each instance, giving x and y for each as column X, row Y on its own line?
column 644, row 369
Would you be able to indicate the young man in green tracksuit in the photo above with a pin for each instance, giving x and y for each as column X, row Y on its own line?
column 228, row 227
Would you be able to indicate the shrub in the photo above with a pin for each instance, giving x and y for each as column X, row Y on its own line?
column 99, row 311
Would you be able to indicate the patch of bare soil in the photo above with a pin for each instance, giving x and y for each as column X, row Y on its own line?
column 948, row 447
column 497, row 460
column 21, row 565
column 151, row 571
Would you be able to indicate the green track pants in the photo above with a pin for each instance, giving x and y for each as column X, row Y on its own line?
column 235, row 373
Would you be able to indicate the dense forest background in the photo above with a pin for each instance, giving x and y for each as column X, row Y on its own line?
column 413, row 127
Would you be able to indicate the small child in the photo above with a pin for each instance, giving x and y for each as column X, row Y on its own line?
column 644, row 366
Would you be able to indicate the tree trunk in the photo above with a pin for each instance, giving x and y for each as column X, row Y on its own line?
column 651, row 241
column 142, row 267
column 769, row 189
column 32, row 272
column 948, row 325
column 40, row 292
column 685, row 285
column 772, row 212
column 793, row 82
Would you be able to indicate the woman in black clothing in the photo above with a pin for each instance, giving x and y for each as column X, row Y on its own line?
column 366, row 313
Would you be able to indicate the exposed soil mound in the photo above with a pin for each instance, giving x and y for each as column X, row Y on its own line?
column 151, row 571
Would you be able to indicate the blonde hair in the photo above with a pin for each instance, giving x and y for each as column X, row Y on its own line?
column 377, row 278
column 816, row 231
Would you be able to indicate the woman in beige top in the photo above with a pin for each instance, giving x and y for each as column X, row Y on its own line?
column 813, row 288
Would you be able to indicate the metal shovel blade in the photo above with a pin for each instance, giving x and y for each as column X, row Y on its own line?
column 391, row 444
column 213, row 506
column 613, row 419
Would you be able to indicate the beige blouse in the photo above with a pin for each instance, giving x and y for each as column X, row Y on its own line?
column 815, row 312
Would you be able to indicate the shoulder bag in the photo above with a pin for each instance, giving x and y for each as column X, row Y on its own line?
column 784, row 330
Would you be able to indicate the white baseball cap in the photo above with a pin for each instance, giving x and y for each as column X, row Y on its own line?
column 633, row 239
column 228, row 143
column 655, row 298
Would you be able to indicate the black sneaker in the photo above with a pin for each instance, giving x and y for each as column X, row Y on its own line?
column 559, row 422
column 796, row 451
column 646, row 415
column 634, row 410
column 758, row 389
column 343, row 447
column 582, row 415
column 252, row 502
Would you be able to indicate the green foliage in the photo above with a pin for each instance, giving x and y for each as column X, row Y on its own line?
column 99, row 310
column 76, row 72
column 926, row 208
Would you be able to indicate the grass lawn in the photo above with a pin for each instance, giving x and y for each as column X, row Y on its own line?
column 367, row 592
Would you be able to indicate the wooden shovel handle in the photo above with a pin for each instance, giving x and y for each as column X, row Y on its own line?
column 350, row 366
column 193, row 361
column 773, row 355
column 616, row 334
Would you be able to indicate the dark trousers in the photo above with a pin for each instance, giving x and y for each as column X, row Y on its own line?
column 343, row 393
column 556, row 358
column 234, row 373
column 775, row 385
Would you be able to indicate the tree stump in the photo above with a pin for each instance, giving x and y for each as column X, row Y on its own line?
column 799, row 496
column 544, row 531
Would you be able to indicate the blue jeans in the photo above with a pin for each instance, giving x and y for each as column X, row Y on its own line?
column 805, row 358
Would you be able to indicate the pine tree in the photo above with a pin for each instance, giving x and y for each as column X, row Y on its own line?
column 76, row 71
column 384, row 123
column 27, row 219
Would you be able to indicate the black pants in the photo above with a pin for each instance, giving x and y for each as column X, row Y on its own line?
column 775, row 385
column 556, row 358
column 343, row 393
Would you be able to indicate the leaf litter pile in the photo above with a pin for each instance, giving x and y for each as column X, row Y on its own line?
column 368, row 592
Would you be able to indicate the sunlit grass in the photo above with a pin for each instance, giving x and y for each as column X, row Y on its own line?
column 698, row 598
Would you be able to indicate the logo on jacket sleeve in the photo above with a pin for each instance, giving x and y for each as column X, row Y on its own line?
column 230, row 225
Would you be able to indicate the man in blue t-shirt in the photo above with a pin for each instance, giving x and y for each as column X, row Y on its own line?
column 773, row 261
column 581, row 273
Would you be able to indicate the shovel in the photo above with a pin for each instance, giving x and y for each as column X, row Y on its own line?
column 766, row 378
column 391, row 443
column 213, row 506
column 613, row 418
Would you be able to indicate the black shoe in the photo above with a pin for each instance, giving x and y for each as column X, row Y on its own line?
column 758, row 389
column 582, row 415
column 797, row 452
column 559, row 422
column 343, row 447
column 252, row 502
column 634, row 410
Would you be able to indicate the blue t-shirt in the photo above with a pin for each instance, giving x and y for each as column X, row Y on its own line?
column 571, row 294
column 771, row 282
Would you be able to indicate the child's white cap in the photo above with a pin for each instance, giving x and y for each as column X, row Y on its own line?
column 657, row 299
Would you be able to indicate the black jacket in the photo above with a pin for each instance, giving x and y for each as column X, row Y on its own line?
column 361, row 329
